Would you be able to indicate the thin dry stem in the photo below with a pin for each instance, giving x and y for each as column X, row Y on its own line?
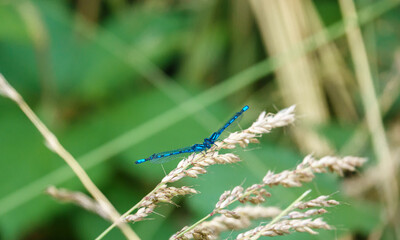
column 372, row 110
column 53, row 144
column 79, row 199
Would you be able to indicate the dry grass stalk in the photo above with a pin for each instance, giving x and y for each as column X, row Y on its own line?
column 163, row 194
column 285, row 25
column 321, row 201
column 390, row 187
column 195, row 164
column 79, row 199
column 304, row 172
column 241, row 218
column 255, row 194
column 263, row 124
column 284, row 227
column 54, row 145
column 302, row 223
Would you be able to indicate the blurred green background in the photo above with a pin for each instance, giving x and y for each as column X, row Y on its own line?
column 118, row 80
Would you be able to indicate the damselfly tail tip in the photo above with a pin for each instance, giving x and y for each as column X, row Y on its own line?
column 245, row 108
column 140, row 161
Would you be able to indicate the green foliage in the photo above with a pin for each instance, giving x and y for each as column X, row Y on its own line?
column 104, row 90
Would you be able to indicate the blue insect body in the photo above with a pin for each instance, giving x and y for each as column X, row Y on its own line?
column 207, row 143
